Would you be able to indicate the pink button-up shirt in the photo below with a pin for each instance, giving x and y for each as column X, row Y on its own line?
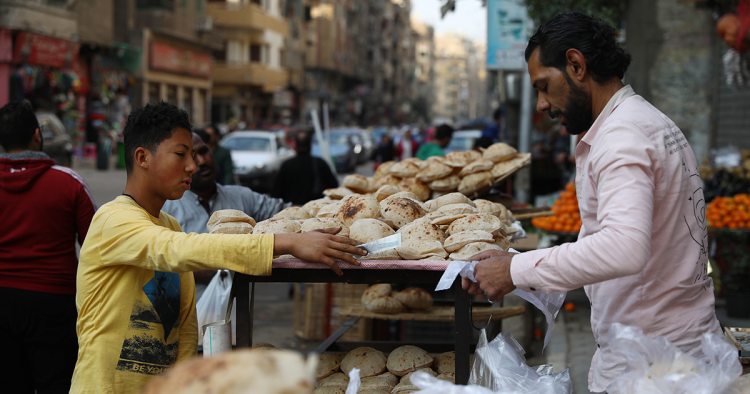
column 642, row 251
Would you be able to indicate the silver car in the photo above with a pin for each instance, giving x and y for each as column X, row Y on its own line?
column 257, row 157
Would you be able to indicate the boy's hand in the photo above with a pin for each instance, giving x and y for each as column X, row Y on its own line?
column 320, row 246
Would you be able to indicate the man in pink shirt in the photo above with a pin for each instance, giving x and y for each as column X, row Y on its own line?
column 642, row 251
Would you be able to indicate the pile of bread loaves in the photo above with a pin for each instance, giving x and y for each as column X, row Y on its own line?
column 451, row 227
column 380, row 299
column 381, row 374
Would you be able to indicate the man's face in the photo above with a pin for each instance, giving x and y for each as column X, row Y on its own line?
column 560, row 96
column 213, row 134
column 172, row 165
column 205, row 177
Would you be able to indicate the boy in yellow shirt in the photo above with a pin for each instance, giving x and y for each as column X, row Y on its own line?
column 135, row 290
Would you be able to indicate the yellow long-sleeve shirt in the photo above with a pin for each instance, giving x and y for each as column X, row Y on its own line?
column 136, row 294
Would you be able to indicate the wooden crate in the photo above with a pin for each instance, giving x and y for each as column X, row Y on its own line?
column 317, row 306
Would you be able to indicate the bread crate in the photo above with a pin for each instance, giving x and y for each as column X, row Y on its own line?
column 316, row 307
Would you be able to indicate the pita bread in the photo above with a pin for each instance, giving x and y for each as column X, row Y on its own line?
column 246, row 371
column 448, row 376
column 477, row 166
column 385, row 305
column 503, row 242
column 421, row 230
column 420, row 250
column 387, row 255
column 415, row 298
column 473, row 183
column 383, row 169
column 448, row 219
column 232, row 228
column 417, row 187
column 468, row 251
column 401, row 211
column 385, row 382
column 444, row 362
column 356, row 183
column 406, row 379
column 474, row 155
column 387, row 180
column 452, row 198
column 376, row 291
column 357, row 207
column 338, row 379
column 329, row 390
column 228, row 216
column 368, row 230
column 369, row 361
column 439, row 159
column 408, row 358
column 502, row 168
column 447, row 184
column 337, row 193
column 483, row 221
column 407, row 194
column 312, row 207
column 499, row 152
column 459, row 240
column 329, row 210
column 328, row 364
column 458, row 159
column 324, row 223
column 434, row 170
column 294, row 213
column 386, row 191
column 373, row 391
column 436, row 194
column 456, row 209
column 404, row 169
column 263, row 345
column 277, row 226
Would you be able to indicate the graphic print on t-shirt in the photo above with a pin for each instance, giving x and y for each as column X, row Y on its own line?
column 155, row 315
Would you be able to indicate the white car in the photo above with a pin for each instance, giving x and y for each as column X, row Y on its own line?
column 463, row 140
column 257, row 157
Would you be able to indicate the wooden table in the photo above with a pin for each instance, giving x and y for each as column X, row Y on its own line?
column 370, row 272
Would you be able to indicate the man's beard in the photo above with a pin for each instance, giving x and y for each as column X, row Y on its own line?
column 199, row 184
column 577, row 110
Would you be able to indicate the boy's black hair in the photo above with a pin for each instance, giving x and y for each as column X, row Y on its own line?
column 18, row 123
column 596, row 40
column 443, row 131
column 483, row 142
column 149, row 126
column 303, row 139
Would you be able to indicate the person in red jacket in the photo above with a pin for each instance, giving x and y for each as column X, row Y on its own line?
column 43, row 207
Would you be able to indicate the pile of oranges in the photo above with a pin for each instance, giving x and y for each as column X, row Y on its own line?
column 729, row 212
column 567, row 218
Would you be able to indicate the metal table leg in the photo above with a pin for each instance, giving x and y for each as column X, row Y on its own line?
column 336, row 335
column 244, row 320
column 463, row 333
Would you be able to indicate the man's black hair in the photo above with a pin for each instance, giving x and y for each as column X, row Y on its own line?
column 483, row 142
column 443, row 131
column 497, row 114
column 149, row 126
column 303, row 139
column 18, row 123
column 203, row 135
column 595, row 39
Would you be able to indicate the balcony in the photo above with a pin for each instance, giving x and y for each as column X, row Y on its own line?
column 250, row 74
column 246, row 16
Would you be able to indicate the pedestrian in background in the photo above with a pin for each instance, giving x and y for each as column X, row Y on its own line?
column 495, row 130
column 303, row 177
column 406, row 148
column 384, row 151
column 44, row 208
column 443, row 136
column 222, row 156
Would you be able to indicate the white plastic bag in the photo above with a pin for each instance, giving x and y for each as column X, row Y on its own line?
column 500, row 366
column 354, row 382
column 212, row 307
column 431, row 385
column 656, row 366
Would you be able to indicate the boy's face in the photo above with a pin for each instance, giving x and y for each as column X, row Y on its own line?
column 172, row 165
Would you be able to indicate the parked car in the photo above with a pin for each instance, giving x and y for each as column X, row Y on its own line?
column 343, row 150
column 463, row 140
column 257, row 157
column 57, row 142
column 368, row 144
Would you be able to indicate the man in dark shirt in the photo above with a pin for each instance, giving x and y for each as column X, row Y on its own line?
column 303, row 177
column 224, row 166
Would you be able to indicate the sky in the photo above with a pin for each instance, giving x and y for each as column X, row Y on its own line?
column 469, row 19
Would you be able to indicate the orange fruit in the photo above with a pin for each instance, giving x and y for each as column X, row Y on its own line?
column 569, row 307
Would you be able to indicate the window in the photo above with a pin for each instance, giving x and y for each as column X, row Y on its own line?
column 221, row 54
column 199, row 7
column 172, row 94
column 187, row 102
column 153, row 92
column 255, row 55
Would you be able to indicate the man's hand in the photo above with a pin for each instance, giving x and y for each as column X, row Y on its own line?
column 320, row 246
column 492, row 274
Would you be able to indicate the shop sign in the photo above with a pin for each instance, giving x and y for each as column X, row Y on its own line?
column 166, row 58
column 45, row 51
column 507, row 34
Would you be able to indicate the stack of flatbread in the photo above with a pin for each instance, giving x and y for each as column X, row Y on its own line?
column 381, row 299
